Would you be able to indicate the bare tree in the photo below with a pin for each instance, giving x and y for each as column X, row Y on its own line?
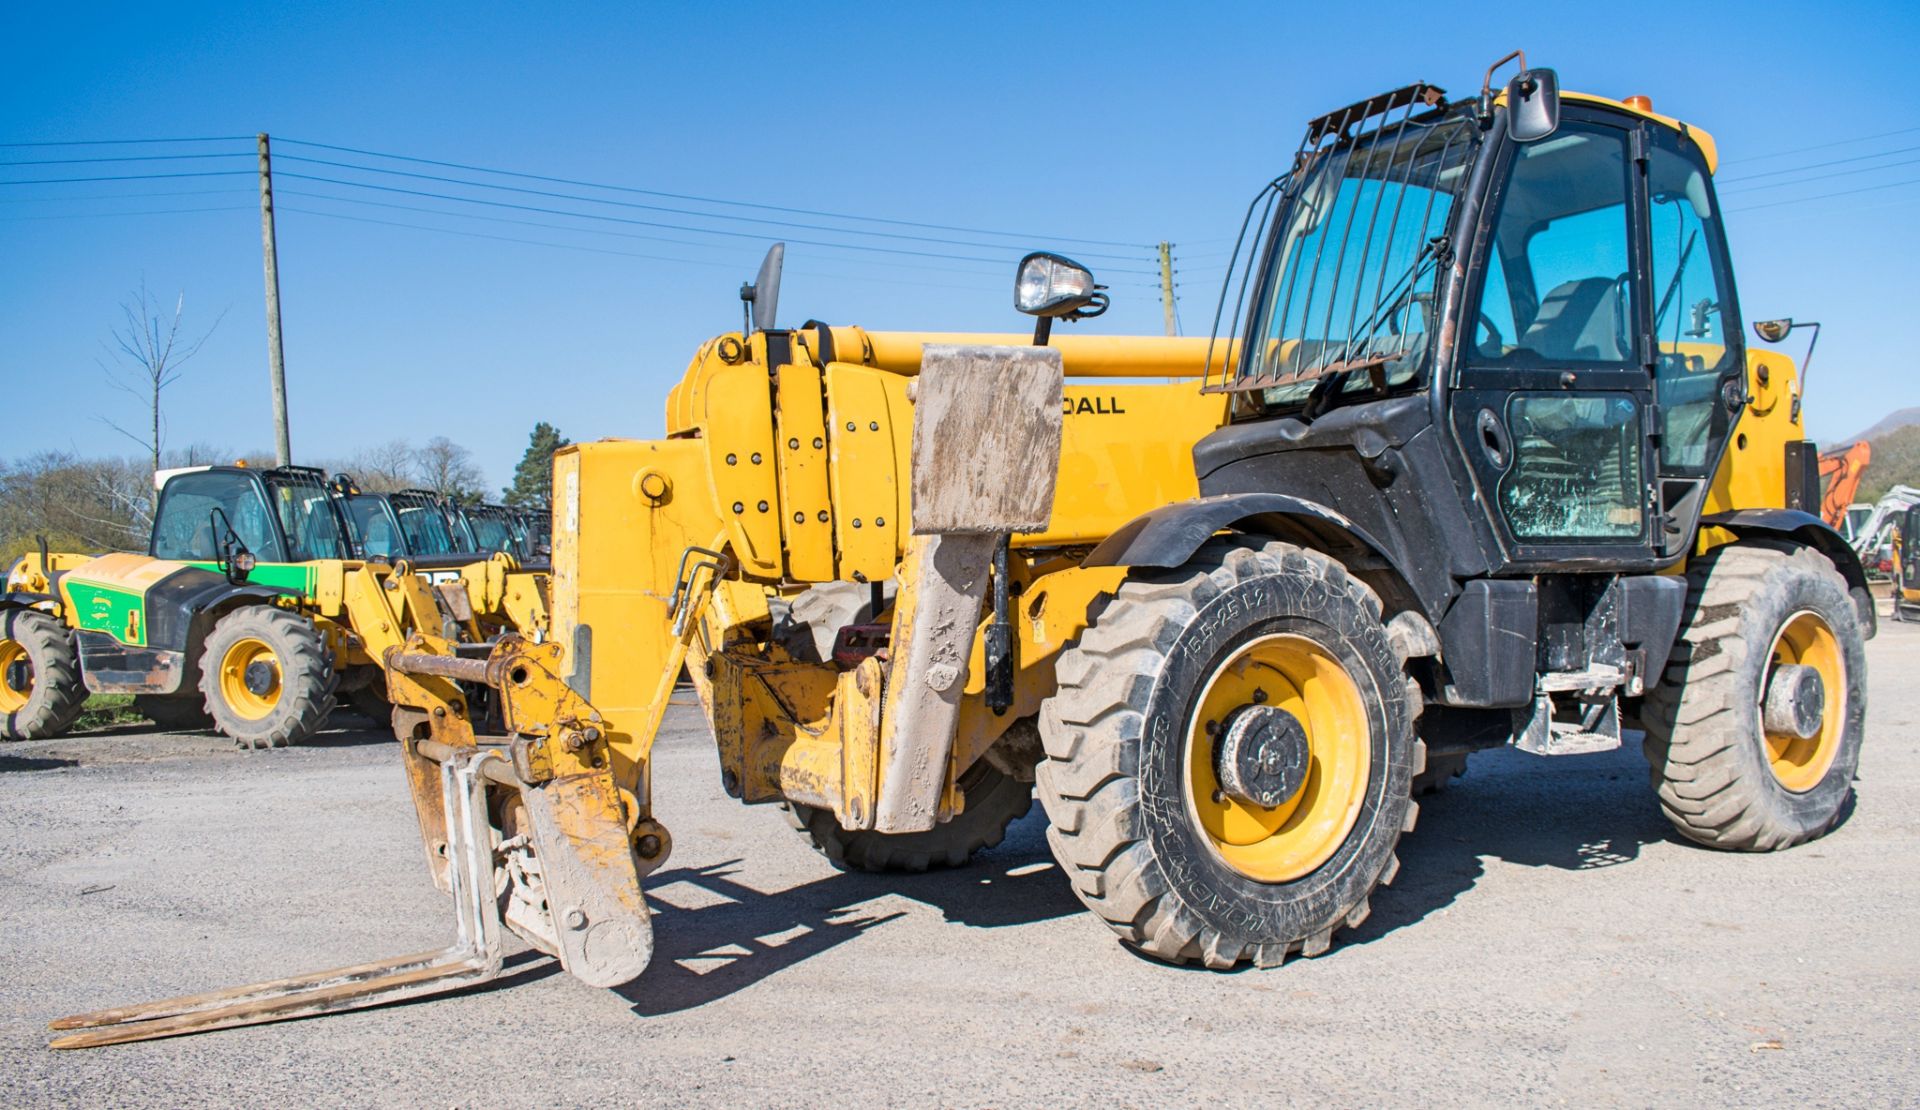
column 77, row 504
column 382, row 468
column 447, row 468
column 146, row 355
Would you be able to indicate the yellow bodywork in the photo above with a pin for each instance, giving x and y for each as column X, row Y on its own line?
column 787, row 466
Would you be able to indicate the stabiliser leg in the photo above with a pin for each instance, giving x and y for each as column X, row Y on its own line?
column 474, row 956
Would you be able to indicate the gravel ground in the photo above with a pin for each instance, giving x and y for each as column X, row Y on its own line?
column 1548, row 942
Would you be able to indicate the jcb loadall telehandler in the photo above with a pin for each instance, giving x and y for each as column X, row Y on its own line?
column 1485, row 460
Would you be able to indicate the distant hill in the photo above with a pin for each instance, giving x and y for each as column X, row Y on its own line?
column 1896, row 459
column 1888, row 424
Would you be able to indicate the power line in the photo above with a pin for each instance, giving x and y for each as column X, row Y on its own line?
column 129, row 158
column 146, row 212
column 1820, row 146
column 571, row 215
column 921, row 267
column 134, row 142
column 70, row 198
column 551, row 195
column 756, row 236
column 1822, row 165
column 706, row 200
column 564, row 228
column 1826, row 176
column 1826, row 196
column 125, row 177
column 604, row 250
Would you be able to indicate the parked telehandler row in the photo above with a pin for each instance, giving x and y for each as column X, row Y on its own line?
column 248, row 612
column 1481, row 458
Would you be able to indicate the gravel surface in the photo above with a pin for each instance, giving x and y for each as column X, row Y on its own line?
column 1548, row 942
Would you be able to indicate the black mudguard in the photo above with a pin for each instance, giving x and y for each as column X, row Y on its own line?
column 1169, row 535
column 1805, row 528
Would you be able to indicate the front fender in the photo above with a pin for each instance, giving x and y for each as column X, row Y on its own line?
column 1805, row 528
column 1169, row 535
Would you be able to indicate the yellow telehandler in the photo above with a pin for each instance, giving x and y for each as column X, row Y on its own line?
column 1482, row 458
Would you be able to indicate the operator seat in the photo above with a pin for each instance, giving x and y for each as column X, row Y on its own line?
column 1580, row 321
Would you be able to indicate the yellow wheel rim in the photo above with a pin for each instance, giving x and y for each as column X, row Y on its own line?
column 1291, row 839
column 13, row 653
column 1806, row 640
column 250, row 701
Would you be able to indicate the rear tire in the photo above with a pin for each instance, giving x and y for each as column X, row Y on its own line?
column 1723, row 779
column 174, row 714
column 994, row 801
column 371, row 702
column 1142, row 823
column 41, row 688
column 267, row 677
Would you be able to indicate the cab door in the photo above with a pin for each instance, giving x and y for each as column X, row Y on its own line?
column 1699, row 359
column 1552, row 391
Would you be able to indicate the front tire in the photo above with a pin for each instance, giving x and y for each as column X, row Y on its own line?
column 41, row 689
column 1159, row 806
column 267, row 677
column 1727, row 776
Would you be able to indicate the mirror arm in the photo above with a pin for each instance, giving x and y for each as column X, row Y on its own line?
column 1806, row 361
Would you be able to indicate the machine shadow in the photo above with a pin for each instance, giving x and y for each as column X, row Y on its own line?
column 10, row 763
column 1578, row 813
column 345, row 730
column 734, row 936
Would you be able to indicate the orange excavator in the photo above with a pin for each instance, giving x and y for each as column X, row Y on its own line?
column 1840, row 472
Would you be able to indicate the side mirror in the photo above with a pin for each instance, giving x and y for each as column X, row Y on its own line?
column 1773, row 331
column 1049, row 285
column 1533, row 105
column 235, row 561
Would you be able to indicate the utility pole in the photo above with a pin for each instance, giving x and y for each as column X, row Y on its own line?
column 276, row 361
column 1166, row 285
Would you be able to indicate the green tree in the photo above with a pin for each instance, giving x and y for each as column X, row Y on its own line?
column 533, row 478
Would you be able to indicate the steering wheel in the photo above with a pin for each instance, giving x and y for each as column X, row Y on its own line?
column 1425, row 302
column 1495, row 341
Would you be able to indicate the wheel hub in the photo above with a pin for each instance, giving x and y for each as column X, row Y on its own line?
column 260, row 678
column 1262, row 756
column 1795, row 702
column 18, row 675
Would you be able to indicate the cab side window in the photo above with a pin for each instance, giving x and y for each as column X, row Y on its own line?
column 1694, row 337
column 1564, row 287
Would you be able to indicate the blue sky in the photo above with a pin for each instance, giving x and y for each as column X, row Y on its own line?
column 1121, row 123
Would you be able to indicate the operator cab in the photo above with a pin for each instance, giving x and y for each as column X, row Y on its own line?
column 493, row 529
column 404, row 525
column 1562, row 303
column 280, row 515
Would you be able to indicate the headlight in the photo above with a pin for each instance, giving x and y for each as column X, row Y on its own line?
column 1049, row 285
